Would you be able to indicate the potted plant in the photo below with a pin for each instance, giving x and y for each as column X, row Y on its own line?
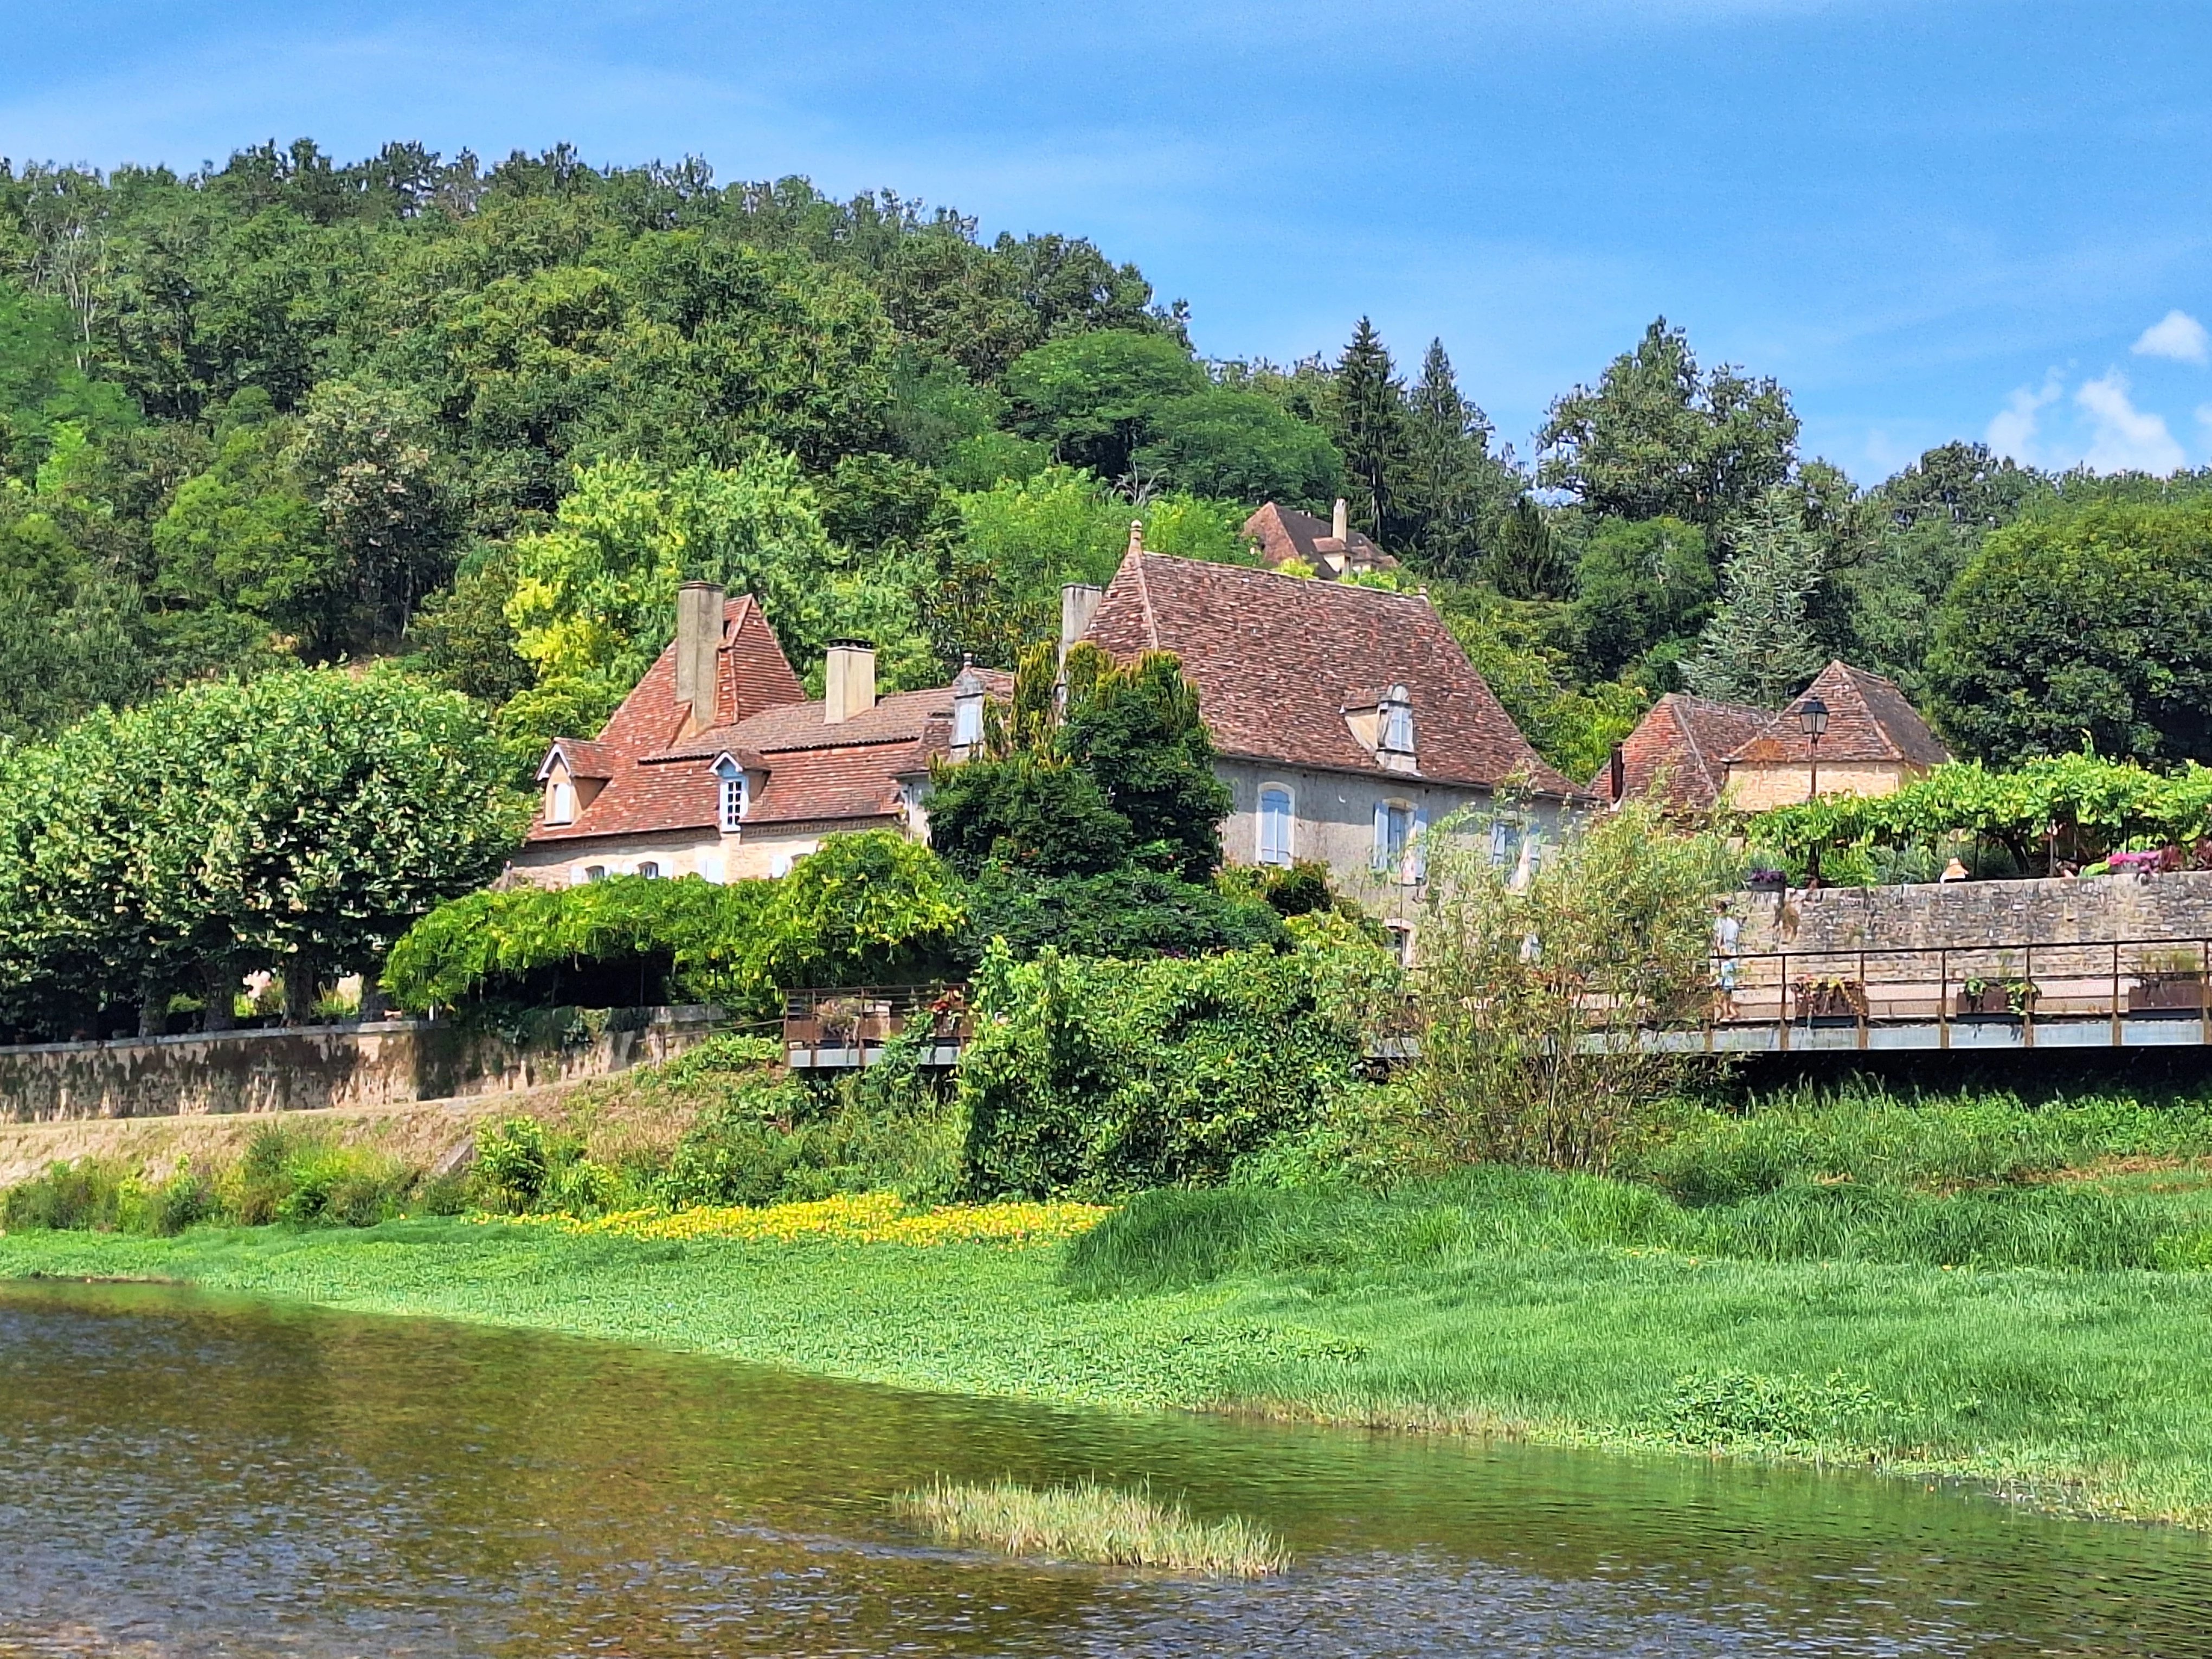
column 839, row 1018
column 1828, row 1001
column 2168, row 982
column 1998, row 997
column 949, row 1020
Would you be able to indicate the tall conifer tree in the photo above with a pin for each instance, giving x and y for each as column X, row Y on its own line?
column 1455, row 488
column 1759, row 647
column 1369, row 411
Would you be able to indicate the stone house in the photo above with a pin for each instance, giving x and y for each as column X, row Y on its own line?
column 1875, row 743
column 718, row 764
column 1677, row 756
column 1693, row 754
column 1330, row 549
column 1348, row 720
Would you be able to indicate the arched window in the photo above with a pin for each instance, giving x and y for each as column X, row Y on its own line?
column 1275, row 819
column 648, row 869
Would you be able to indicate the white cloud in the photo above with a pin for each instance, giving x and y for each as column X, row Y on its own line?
column 2125, row 439
column 2177, row 335
column 2013, row 431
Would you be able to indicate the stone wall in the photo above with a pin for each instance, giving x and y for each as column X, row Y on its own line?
column 1980, row 914
column 378, row 1063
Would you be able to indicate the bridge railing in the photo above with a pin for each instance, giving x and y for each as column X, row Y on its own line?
column 2023, row 984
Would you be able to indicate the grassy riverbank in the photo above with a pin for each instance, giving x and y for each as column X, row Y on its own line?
column 1565, row 1309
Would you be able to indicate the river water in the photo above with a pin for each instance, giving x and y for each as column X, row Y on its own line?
column 186, row 1474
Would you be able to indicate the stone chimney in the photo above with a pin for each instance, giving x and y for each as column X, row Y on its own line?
column 1340, row 524
column 1079, row 603
column 698, row 642
column 1136, row 537
column 849, row 681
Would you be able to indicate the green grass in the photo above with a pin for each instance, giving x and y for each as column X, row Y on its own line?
column 1555, row 1309
column 1086, row 1521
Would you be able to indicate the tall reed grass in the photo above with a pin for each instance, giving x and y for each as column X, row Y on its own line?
column 1087, row 1522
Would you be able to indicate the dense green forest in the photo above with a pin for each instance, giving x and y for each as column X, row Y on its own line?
column 481, row 419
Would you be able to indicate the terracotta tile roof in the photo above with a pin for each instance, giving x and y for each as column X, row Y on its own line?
column 1285, row 533
column 1868, row 719
column 901, row 717
column 810, row 785
column 593, row 761
column 751, row 674
column 1676, row 755
column 804, row 769
column 1277, row 660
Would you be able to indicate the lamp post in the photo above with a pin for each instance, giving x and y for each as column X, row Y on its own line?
column 1813, row 720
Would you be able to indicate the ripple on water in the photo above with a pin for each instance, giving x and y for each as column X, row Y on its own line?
column 189, row 1475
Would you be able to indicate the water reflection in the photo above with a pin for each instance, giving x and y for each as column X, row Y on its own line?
column 184, row 1474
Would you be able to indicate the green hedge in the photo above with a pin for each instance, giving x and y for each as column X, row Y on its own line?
column 867, row 906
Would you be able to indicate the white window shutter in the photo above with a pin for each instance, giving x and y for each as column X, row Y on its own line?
column 1417, row 848
column 1381, row 835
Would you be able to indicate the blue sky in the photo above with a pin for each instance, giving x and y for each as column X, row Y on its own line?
column 1930, row 218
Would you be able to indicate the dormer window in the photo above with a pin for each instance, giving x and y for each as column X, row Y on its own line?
column 1397, row 723
column 730, row 779
column 967, row 712
column 560, row 800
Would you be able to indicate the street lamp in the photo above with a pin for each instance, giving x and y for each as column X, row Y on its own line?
column 1813, row 720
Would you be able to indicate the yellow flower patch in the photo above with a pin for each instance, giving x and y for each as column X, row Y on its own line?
column 857, row 1218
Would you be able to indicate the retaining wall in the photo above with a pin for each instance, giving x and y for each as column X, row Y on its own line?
column 1977, row 915
column 378, row 1063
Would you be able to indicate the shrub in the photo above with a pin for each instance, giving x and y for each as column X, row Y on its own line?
column 341, row 1186
column 1533, row 995
column 864, row 907
column 774, row 1141
column 1098, row 1078
column 1122, row 913
column 627, row 941
column 85, row 1193
column 514, row 1165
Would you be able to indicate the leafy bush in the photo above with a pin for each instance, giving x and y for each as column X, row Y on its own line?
column 772, row 1140
column 1122, row 913
column 283, row 1176
column 287, row 1175
column 1099, row 1077
column 342, row 1186
column 627, row 941
column 86, row 1193
column 1531, row 992
column 514, row 1165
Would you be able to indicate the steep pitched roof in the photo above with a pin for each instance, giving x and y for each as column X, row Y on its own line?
column 1278, row 661
column 1285, row 533
column 1868, row 719
column 751, row 674
column 1675, row 756
column 806, row 769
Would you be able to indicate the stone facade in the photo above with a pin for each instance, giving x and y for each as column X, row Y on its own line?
column 1333, row 821
column 1754, row 788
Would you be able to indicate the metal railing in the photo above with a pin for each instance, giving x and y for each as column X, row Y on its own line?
column 2024, row 985
column 829, row 1027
